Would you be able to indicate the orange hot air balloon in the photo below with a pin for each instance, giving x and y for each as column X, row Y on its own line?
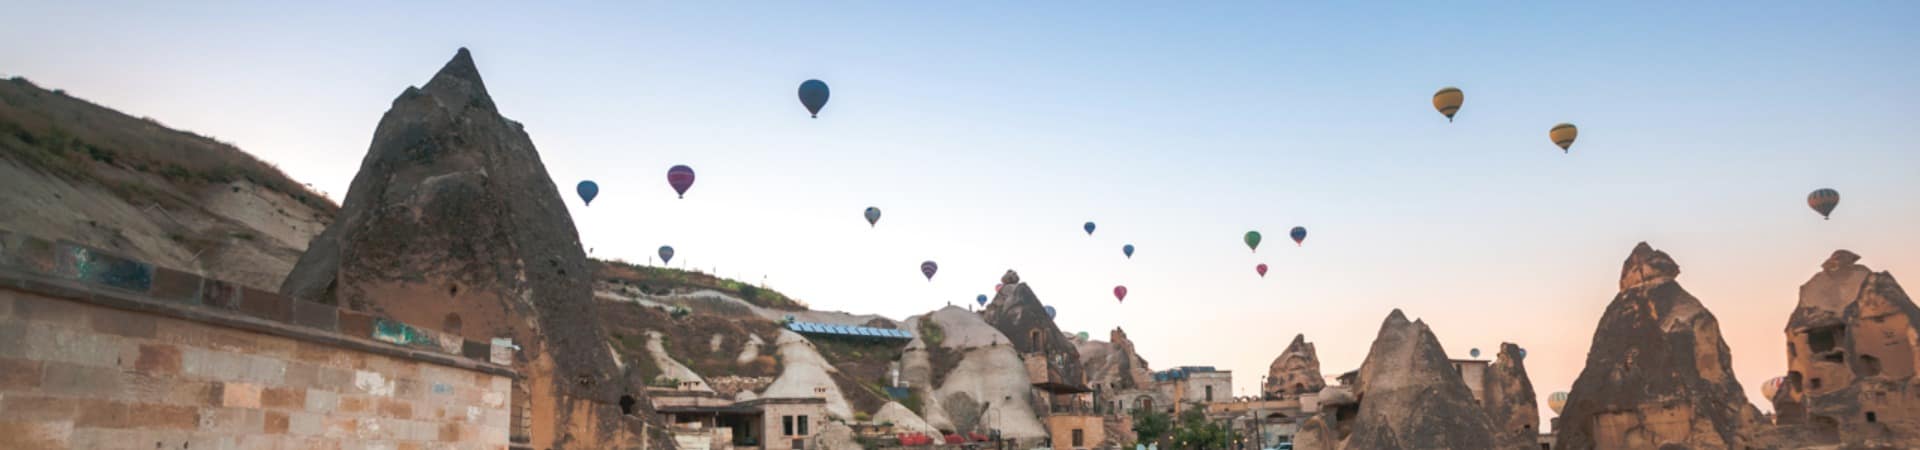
column 1563, row 135
column 1448, row 100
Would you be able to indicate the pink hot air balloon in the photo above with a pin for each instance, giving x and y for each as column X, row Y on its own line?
column 928, row 268
column 1262, row 269
column 681, row 178
column 1120, row 293
column 996, row 287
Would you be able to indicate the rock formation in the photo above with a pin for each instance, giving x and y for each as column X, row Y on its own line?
column 1411, row 397
column 1020, row 316
column 1508, row 396
column 1851, row 354
column 1658, row 374
column 967, row 377
column 1113, row 365
column 1314, row 435
column 453, row 221
column 1296, row 371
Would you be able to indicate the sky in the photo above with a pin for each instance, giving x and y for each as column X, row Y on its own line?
column 988, row 132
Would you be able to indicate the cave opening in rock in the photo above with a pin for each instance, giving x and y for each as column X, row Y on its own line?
column 1871, row 417
column 626, row 404
column 1869, row 365
column 1823, row 339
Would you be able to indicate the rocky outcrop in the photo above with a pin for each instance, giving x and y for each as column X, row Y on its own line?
column 903, row 419
column 986, row 385
column 1411, row 397
column 1020, row 316
column 1507, row 394
column 1295, row 372
column 453, row 221
column 1112, row 365
column 1314, row 435
column 806, row 374
column 1658, row 374
column 1851, row 359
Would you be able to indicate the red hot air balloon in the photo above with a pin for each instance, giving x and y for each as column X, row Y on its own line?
column 1262, row 268
column 681, row 178
column 1120, row 293
column 928, row 268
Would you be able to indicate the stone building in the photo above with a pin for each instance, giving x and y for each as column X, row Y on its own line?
column 101, row 351
column 706, row 420
column 1851, row 359
column 1193, row 385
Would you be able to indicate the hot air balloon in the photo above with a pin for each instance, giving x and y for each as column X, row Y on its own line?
column 1563, row 135
column 1522, row 353
column 928, row 268
column 1050, row 312
column 1261, row 269
column 588, row 190
column 813, row 95
column 681, row 178
column 873, row 216
column 1083, row 336
column 982, row 299
column 1120, row 293
column 1772, row 387
column 666, row 254
column 1253, row 240
column 1475, row 353
column 1128, row 250
column 1299, row 235
column 1557, row 401
column 1448, row 100
column 996, row 287
column 1823, row 200
column 1088, row 227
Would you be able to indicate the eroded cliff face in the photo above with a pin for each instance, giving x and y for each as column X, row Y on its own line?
column 1411, row 397
column 1658, row 374
column 1022, row 318
column 1295, row 372
column 1851, row 352
column 453, row 221
column 1512, row 409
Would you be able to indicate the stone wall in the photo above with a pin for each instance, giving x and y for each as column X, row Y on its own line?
column 1061, row 427
column 97, row 351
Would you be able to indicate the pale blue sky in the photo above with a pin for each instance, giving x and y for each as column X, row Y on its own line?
column 989, row 131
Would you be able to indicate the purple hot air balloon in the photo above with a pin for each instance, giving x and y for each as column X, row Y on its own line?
column 681, row 178
column 928, row 268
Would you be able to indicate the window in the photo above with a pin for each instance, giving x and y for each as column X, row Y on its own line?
column 626, row 404
column 786, row 425
column 803, row 425
column 1871, row 418
column 1079, row 437
column 1823, row 339
column 1209, row 396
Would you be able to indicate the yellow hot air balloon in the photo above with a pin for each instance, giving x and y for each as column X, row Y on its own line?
column 1557, row 401
column 1563, row 135
column 1448, row 100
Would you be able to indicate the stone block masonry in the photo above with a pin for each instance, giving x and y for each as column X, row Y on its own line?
column 99, row 351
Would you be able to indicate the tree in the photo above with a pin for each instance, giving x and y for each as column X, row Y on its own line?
column 1196, row 432
column 1150, row 426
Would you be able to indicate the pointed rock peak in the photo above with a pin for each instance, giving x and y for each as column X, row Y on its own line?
column 1394, row 318
column 459, row 79
column 1010, row 278
column 1647, row 266
column 1117, row 336
column 1840, row 260
column 1511, row 352
column 1298, row 340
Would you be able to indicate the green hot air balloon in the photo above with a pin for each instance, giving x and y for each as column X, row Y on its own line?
column 1253, row 240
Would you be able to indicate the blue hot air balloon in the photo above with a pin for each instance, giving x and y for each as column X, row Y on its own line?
column 588, row 190
column 982, row 299
column 873, row 216
column 813, row 95
column 1299, row 235
column 1050, row 312
column 1088, row 227
column 666, row 254
column 1127, row 249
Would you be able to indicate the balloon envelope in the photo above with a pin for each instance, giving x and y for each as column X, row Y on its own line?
column 1262, row 269
column 1088, row 227
column 1253, row 240
column 928, row 268
column 1083, row 336
column 1299, row 235
column 588, row 190
column 813, row 95
column 1474, row 353
column 1823, row 200
column 982, row 299
column 873, row 216
column 1448, row 100
column 666, row 254
column 1557, row 401
column 1772, row 386
column 1563, row 135
column 1128, row 250
column 1050, row 312
column 681, row 178
column 1120, row 293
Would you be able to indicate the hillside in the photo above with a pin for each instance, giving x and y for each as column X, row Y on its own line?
column 78, row 171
